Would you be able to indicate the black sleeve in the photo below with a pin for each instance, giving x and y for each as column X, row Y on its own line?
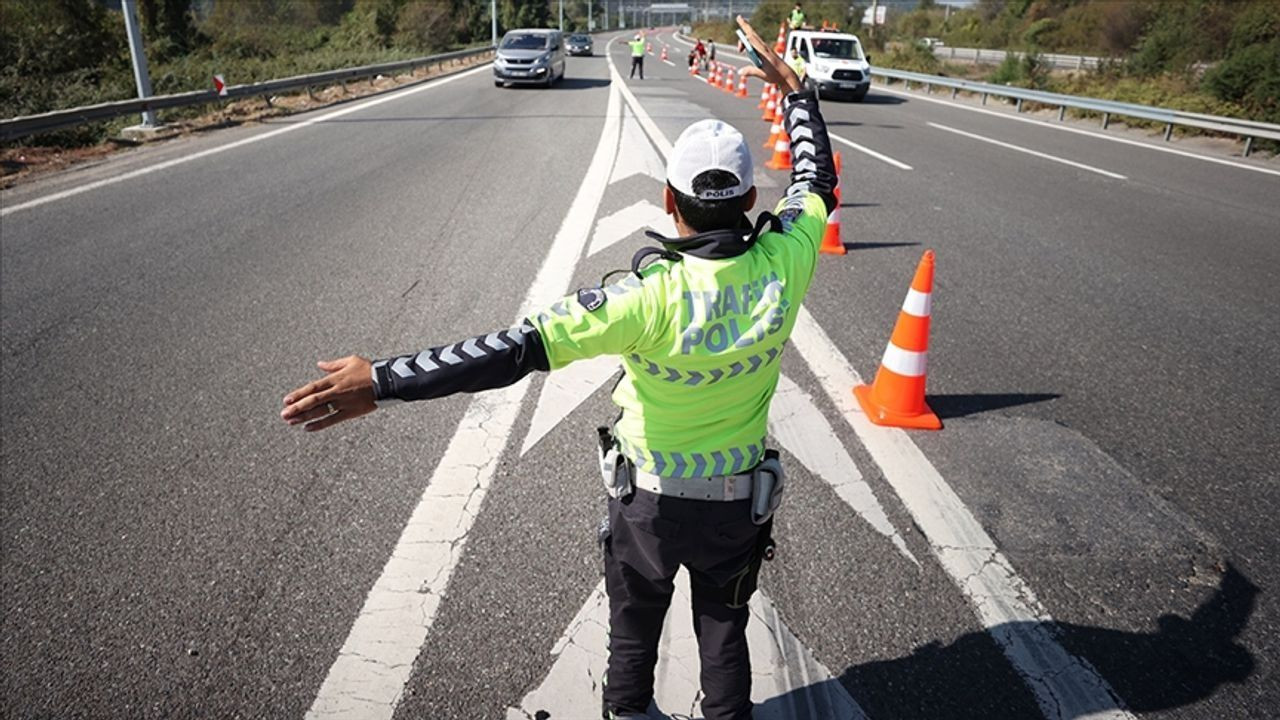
column 813, row 166
column 484, row 362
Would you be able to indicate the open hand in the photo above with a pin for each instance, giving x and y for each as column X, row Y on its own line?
column 346, row 392
column 775, row 70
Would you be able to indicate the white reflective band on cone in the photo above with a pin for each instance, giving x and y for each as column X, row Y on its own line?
column 782, row 146
column 917, row 303
column 834, row 219
column 904, row 362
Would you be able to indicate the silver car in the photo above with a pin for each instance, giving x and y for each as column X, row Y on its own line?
column 534, row 56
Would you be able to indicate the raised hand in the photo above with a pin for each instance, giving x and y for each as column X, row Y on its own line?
column 775, row 70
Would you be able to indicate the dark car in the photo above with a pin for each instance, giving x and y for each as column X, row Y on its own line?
column 580, row 45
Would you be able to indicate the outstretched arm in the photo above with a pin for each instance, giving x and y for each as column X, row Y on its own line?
column 354, row 386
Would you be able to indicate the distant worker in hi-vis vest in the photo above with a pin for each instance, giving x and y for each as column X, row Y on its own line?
column 637, row 55
column 796, row 21
column 699, row 330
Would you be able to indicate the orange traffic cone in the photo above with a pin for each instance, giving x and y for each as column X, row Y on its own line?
column 776, row 129
column 896, row 398
column 650, row 48
column 831, row 243
column 771, row 107
column 780, row 46
column 742, row 87
column 728, row 81
column 693, row 68
column 765, row 93
column 781, row 159
column 664, row 53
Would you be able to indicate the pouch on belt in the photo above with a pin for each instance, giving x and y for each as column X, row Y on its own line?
column 767, row 483
column 615, row 471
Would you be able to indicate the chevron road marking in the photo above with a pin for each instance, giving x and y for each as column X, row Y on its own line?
column 622, row 224
column 800, row 427
column 635, row 155
column 396, row 95
column 563, row 391
column 368, row 677
column 786, row 683
column 1064, row 686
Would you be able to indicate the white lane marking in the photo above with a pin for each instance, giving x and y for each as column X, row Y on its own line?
column 1064, row 686
column 563, row 391
column 71, row 192
column 655, row 135
column 786, row 680
column 622, row 224
column 635, row 154
column 1077, row 131
column 864, row 149
column 1065, row 128
column 1029, row 151
column 369, row 675
column 800, row 427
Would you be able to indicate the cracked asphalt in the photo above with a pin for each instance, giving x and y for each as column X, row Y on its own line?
column 1102, row 355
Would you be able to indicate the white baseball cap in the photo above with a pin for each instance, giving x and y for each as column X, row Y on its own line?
column 710, row 145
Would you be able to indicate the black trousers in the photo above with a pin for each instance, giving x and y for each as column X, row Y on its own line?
column 650, row 537
column 637, row 62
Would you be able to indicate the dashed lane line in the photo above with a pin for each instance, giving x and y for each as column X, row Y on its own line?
column 868, row 151
column 1077, row 131
column 395, row 95
column 1064, row 686
column 368, row 678
column 880, row 87
column 1029, row 151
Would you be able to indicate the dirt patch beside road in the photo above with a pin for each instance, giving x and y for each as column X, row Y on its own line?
column 19, row 164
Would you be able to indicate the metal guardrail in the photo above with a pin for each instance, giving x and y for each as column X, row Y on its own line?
column 14, row 128
column 1056, row 61
column 995, row 57
column 1247, row 129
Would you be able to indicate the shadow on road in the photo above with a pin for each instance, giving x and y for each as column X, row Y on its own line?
column 851, row 246
column 954, row 406
column 874, row 98
column 567, row 83
column 849, row 123
column 1183, row 662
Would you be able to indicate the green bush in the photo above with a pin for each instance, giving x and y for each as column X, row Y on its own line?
column 911, row 57
column 1250, row 75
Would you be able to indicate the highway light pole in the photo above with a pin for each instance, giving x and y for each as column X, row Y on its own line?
column 140, row 75
column 493, row 21
column 561, row 15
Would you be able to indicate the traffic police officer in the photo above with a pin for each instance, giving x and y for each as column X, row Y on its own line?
column 637, row 55
column 699, row 332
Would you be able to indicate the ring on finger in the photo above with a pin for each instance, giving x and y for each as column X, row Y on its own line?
column 331, row 408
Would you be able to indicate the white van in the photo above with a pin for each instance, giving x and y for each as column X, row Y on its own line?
column 834, row 63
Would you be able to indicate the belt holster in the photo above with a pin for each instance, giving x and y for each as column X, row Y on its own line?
column 615, row 471
column 767, row 483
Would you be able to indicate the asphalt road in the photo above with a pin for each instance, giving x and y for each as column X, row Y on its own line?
column 1101, row 354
